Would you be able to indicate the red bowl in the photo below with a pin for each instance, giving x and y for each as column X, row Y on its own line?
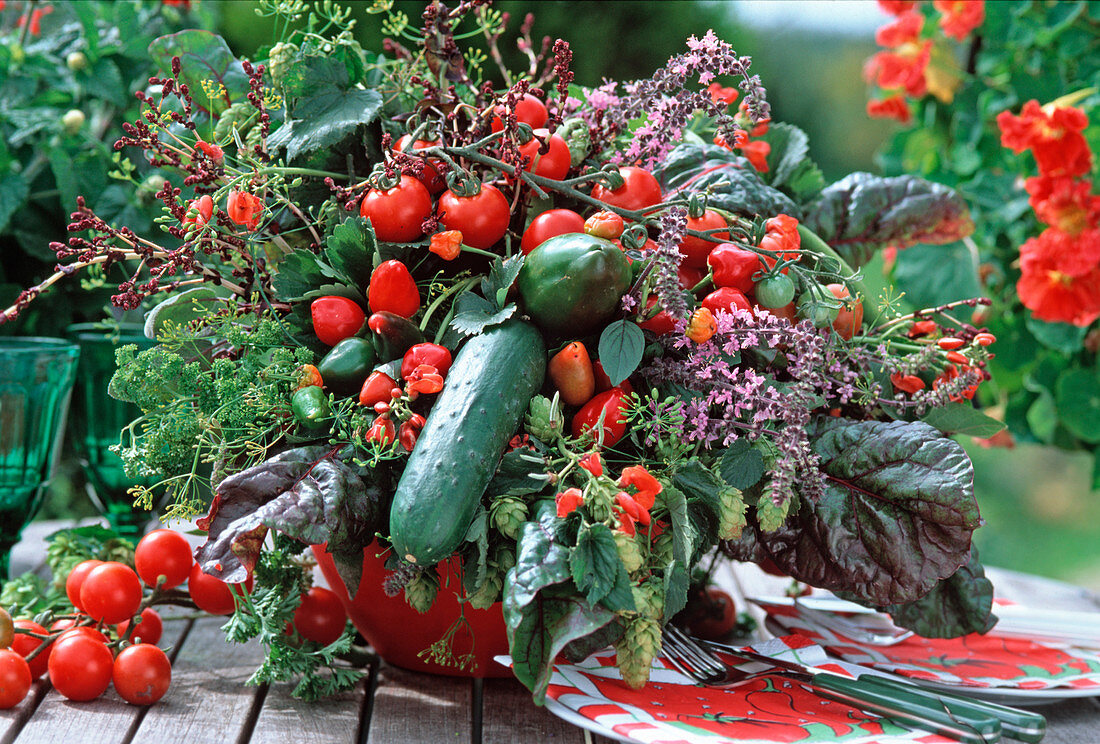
column 398, row 633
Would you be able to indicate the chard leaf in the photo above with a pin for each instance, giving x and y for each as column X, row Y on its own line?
column 862, row 213
column 789, row 168
column 963, row 418
column 304, row 493
column 620, row 349
column 205, row 58
column 896, row 516
column 960, row 604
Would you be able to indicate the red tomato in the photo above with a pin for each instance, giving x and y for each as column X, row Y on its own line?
column 430, row 177
column 695, row 250
column 336, row 318
column 142, row 674
column 24, row 644
column 320, row 617
column 84, row 630
column 529, row 110
column 639, row 190
column 15, row 679
column 426, row 353
column 549, row 224
column 213, row 595
column 377, row 388
column 689, row 276
column 727, row 298
column 393, row 289
column 111, row 593
column 554, row 163
column 661, row 323
column 482, row 218
column 712, row 615
column 80, row 667
column 850, row 319
column 733, row 266
column 163, row 553
column 397, row 214
column 614, row 401
column 149, row 630
column 76, row 578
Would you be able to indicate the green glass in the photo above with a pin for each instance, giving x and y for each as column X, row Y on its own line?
column 36, row 381
column 98, row 420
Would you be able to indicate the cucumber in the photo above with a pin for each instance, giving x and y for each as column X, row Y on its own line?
column 492, row 380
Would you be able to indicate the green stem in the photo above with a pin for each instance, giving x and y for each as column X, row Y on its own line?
column 453, row 289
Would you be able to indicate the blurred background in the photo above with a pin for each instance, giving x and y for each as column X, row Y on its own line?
column 1041, row 516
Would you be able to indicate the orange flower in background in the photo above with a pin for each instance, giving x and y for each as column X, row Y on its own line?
column 1064, row 203
column 35, row 27
column 1060, row 277
column 905, row 30
column 960, row 17
column 646, row 487
column 894, row 107
column 757, row 153
column 244, row 208
column 896, row 7
column 907, row 383
column 903, row 68
column 720, row 94
column 1052, row 133
column 591, row 463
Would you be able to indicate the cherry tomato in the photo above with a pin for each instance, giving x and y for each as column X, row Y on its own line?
column 80, row 667
column 24, row 644
column 695, row 250
column 481, row 218
column 76, row 579
column 336, row 318
column 142, row 674
column 788, row 311
column 425, row 353
column 850, row 319
column 733, row 266
column 605, row 224
column 689, row 276
column 15, row 679
column 549, row 224
column 639, row 190
column 728, row 299
column 661, row 323
column 164, row 553
column 397, row 214
column 393, row 289
column 614, row 402
column 149, row 630
column 554, row 164
column 571, row 372
column 72, row 629
column 7, row 629
column 774, row 291
column 111, row 593
column 213, row 595
column 712, row 614
column 377, row 389
column 529, row 110
column 320, row 617
column 429, row 176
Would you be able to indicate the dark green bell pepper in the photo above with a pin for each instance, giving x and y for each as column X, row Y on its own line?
column 310, row 407
column 347, row 364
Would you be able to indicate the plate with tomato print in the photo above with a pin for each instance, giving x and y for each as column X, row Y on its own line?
column 1012, row 670
column 671, row 709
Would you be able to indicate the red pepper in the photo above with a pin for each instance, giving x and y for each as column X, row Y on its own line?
column 382, row 431
column 336, row 318
column 572, row 374
column 614, row 402
column 426, row 353
column 733, row 266
column 603, row 382
column 661, row 323
column 409, row 431
column 728, row 299
column 377, row 388
column 392, row 289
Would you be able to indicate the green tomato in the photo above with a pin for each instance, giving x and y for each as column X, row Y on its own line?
column 819, row 306
column 774, row 291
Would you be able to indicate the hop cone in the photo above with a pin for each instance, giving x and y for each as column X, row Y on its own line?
column 731, row 514
column 508, row 514
column 420, row 592
column 629, row 551
column 635, row 652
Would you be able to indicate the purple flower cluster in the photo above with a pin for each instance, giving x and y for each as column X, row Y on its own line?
column 665, row 264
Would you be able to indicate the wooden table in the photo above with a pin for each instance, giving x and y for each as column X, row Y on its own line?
column 208, row 701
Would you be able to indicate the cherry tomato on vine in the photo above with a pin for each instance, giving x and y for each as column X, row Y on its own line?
column 550, row 224
column 571, row 372
column 614, row 402
column 213, row 595
column 774, row 291
column 429, row 176
column 425, row 353
column 713, row 616
column 70, row 628
column 529, row 110
column 850, row 319
column 149, row 630
column 639, row 190
column 111, row 592
column 393, row 289
column 320, row 617
column 695, row 250
column 336, row 318
column 76, row 578
column 24, row 644
column 397, row 213
column 164, row 553
column 554, row 163
column 482, row 218
column 141, row 674
column 15, row 679
column 80, row 667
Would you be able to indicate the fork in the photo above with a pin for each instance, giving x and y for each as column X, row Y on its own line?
column 910, row 708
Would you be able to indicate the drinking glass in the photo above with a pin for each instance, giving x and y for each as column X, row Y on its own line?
column 98, row 420
column 36, row 381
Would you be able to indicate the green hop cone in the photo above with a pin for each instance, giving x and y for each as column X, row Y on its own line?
column 769, row 514
column 634, row 654
column 279, row 59
column 119, row 550
column 577, row 136
column 508, row 514
column 241, row 116
column 544, row 419
column 731, row 513
column 649, row 598
column 421, row 591
column 630, row 553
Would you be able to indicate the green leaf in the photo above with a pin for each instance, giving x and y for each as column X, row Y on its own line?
column 541, row 561
column 1042, row 417
column 502, row 274
column 1062, row 337
column 521, row 472
column 683, row 532
column 956, row 606
column 297, row 274
column 863, row 213
column 102, row 79
column 596, row 566
column 13, row 194
column 1077, row 398
column 474, row 314
column 204, row 58
column 789, row 167
column 741, row 464
column 77, row 174
column 933, row 275
column 676, row 583
column 621, row 345
column 324, row 119
column 963, row 418
column 180, row 309
column 896, row 515
column 349, row 249
column 698, row 483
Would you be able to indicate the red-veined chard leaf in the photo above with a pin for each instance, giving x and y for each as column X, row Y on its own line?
column 205, row 58
column 956, row 606
column 896, row 515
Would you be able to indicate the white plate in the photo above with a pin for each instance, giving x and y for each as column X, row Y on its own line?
column 571, row 716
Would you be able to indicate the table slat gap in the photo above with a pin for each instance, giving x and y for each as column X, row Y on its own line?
column 368, row 702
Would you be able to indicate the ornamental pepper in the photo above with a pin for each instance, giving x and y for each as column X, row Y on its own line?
column 347, row 364
column 382, row 431
column 571, row 372
column 426, row 353
column 701, row 326
column 728, row 299
column 612, row 404
column 409, row 431
column 308, row 375
column 310, row 406
column 732, row 266
column 604, row 224
column 378, row 388
column 336, row 318
column 447, row 244
column 393, row 335
column 392, row 289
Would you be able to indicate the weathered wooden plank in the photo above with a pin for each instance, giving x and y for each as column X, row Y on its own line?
column 509, row 715
column 208, row 701
column 413, row 707
column 12, row 721
column 335, row 720
column 108, row 719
